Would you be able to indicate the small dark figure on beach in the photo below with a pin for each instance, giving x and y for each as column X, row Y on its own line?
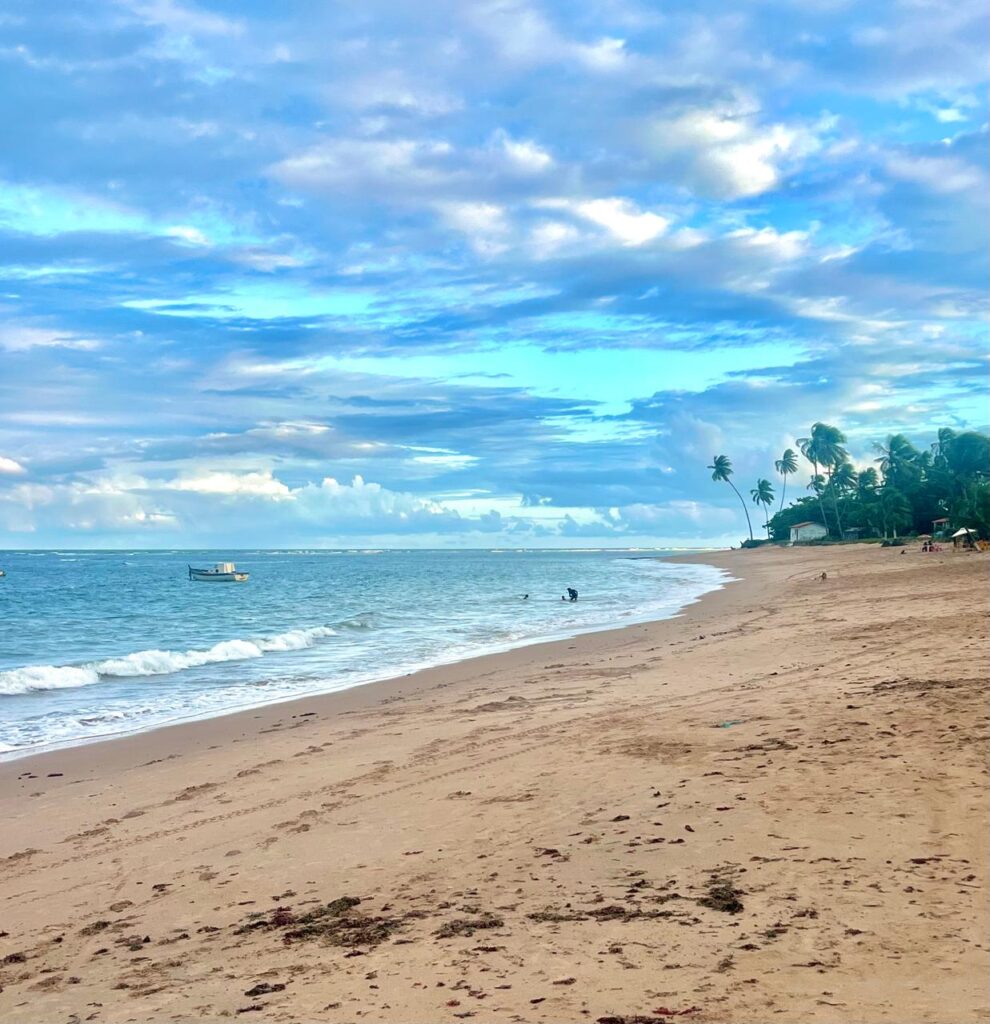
column 824, row 576
column 572, row 594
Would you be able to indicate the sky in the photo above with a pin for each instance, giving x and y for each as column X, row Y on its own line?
column 474, row 273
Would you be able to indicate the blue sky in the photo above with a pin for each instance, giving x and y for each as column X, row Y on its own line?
column 473, row 273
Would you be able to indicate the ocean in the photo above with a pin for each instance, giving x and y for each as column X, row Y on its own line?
column 97, row 643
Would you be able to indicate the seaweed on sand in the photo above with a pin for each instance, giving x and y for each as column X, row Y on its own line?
column 722, row 895
column 337, row 923
column 468, row 925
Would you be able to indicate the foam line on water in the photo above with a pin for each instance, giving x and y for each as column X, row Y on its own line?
column 154, row 662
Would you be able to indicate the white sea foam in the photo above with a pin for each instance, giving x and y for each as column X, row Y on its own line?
column 46, row 677
column 154, row 662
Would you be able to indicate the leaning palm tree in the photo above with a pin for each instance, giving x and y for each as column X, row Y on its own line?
column 785, row 466
column 898, row 460
column 817, row 482
column 762, row 494
column 824, row 448
column 721, row 468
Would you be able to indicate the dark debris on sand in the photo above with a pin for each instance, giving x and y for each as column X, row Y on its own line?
column 722, row 895
column 468, row 925
column 609, row 912
column 636, row 1018
column 337, row 923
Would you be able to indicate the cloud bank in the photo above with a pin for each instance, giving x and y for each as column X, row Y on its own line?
column 506, row 272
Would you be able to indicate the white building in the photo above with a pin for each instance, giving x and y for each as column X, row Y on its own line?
column 807, row 531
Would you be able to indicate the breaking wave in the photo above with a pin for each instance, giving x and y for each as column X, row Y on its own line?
column 154, row 662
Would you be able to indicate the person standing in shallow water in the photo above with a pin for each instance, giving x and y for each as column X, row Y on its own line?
column 572, row 595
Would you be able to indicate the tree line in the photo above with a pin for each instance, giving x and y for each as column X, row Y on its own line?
column 905, row 490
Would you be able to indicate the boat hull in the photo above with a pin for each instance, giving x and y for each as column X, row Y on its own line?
column 202, row 576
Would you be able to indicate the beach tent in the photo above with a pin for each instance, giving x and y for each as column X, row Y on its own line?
column 964, row 536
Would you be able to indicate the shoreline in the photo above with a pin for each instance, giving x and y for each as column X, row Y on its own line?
column 771, row 806
column 361, row 697
column 19, row 756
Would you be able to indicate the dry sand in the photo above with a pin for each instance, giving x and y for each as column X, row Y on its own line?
column 773, row 808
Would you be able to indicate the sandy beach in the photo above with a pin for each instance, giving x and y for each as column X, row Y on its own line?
column 771, row 808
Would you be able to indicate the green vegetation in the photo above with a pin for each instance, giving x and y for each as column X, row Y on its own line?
column 903, row 493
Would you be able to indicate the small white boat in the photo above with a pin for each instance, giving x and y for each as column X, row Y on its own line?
column 222, row 572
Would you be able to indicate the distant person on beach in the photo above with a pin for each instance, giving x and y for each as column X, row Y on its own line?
column 572, row 594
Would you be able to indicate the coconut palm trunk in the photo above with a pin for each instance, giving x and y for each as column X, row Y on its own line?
column 721, row 468
column 821, row 504
column 835, row 503
column 749, row 523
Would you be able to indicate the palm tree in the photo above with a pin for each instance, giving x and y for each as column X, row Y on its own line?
column 785, row 466
column 894, row 508
column 817, row 484
column 897, row 460
column 721, row 468
column 824, row 448
column 867, row 484
column 762, row 494
column 940, row 448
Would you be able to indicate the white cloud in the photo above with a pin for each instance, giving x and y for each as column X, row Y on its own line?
column 257, row 484
column 402, row 165
column 526, row 155
column 620, row 217
column 943, row 174
column 393, row 88
column 185, row 233
column 19, row 339
column 524, row 36
column 624, row 220
column 265, row 260
column 608, row 54
column 780, row 246
column 211, row 501
column 11, row 466
column 185, row 19
column 548, row 237
column 724, row 152
column 362, row 500
column 483, row 223
column 102, row 504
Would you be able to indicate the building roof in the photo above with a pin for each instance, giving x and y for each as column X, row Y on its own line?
column 810, row 522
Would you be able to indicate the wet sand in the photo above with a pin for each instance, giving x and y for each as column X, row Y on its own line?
column 773, row 807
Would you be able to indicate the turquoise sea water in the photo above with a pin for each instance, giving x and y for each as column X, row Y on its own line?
column 97, row 643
